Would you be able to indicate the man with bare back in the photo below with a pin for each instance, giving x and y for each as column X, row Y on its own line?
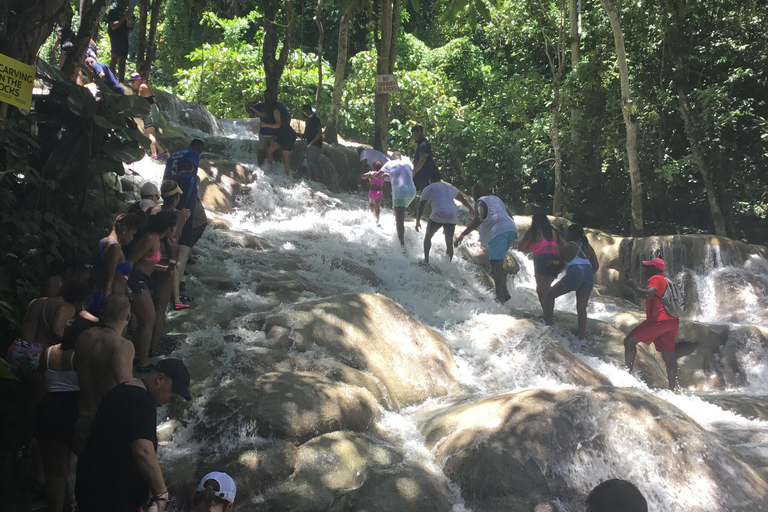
column 103, row 359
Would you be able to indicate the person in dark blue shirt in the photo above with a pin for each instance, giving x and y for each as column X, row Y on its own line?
column 192, row 153
column 424, row 166
column 103, row 72
column 266, row 134
column 186, row 178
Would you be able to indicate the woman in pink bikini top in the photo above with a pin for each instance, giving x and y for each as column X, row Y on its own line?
column 542, row 240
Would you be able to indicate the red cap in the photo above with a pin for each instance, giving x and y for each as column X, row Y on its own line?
column 655, row 262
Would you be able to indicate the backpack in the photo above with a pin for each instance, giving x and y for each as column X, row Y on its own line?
column 673, row 299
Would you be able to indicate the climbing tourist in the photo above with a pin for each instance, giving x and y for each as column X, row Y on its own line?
column 367, row 157
column 103, row 359
column 54, row 424
column 280, row 122
column 216, row 493
column 106, row 74
column 425, row 167
column 376, row 179
column 188, row 182
column 169, row 250
column 145, row 257
column 192, row 153
column 150, row 195
column 65, row 37
column 659, row 327
column 400, row 173
column 580, row 267
column 119, row 24
column 542, row 241
column 440, row 197
column 313, row 133
column 111, row 271
column 118, row 469
column 616, row 496
column 266, row 135
column 152, row 119
column 497, row 232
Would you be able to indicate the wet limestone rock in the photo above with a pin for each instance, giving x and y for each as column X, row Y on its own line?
column 291, row 405
column 546, row 443
column 328, row 466
column 370, row 332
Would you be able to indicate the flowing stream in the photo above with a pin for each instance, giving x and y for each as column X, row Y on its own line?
column 305, row 221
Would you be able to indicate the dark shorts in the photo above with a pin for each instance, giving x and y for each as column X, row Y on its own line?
column 286, row 138
column 139, row 282
column 579, row 277
column 65, row 47
column 56, row 415
column 661, row 333
column 448, row 228
column 120, row 46
column 96, row 302
column 187, row 235
column 548, row 265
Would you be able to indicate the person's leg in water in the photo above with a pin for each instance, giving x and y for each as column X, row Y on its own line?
column 55, row 455
column 553, row 293
column 163, row 291
column 448, row 232
column 144, row 310
column 287, row 162
column 273, row 149
column 670, row 361
column 543, row 284
column 582, row 300
column 197, row 233
column 500, row 280
column 630, row 352
column 181, row 265
column 432, row 228
column 400, row 223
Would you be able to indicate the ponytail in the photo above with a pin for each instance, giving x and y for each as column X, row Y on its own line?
column 203, row 500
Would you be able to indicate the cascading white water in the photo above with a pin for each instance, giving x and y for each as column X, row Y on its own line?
column 495, row 352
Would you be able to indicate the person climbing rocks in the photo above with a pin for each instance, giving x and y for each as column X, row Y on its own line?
column 659, row 327
column 400, row 173
column 279, row 120
column 119, row 24
column 103, row 359
column 150, row 195
column 216, row 493
column 424, row 168
column 376, row 179
column 266, row 135
column 188, row 182
column 192, row 153
column 580, row 267
column 542, row 240
column 440, row 197
column 112, row 268
column 313, row 133
column 497, row 232
column 118, row 469
column 102, row 71
column 152, row 119
column 367, row 157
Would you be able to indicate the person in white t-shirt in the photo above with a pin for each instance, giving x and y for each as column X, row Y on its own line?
column 440, row 197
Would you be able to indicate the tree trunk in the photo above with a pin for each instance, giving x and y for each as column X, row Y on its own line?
column 274, row 63
column 386, row 50
column 151, row 43
column 141, row 50
column 26, row 26
column 691, row 124
column 629, row 111
column 319, row 54
column 330, row 135
column 557, row 198
column 92, row 13
column 575, row 20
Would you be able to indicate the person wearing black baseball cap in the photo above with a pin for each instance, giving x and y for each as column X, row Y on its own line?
column 118, row 469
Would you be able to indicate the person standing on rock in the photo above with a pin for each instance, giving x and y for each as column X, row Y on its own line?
column 543, row 241
column 580, row 267
column 659, row 327
column 103, row 359
column 118, row 469
column 425, row 168
column 400, row 173
column 497, row 232
column 285, row 136
column 313, row 133
column 152, row 119
column 192, row 153
column 266, row 135
column 440, row 197
column 188, row 182
column 119, row 24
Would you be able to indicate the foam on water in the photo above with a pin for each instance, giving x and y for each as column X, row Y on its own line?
column 495, row 352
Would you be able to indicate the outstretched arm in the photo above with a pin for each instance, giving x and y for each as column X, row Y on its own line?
column 643, row 293
column 422, row 204
column 480, row 214
column 460, row 198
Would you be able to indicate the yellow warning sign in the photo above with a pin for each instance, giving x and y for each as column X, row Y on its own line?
column 16, row 81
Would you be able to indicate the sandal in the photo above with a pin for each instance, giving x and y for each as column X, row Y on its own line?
column 180, row 305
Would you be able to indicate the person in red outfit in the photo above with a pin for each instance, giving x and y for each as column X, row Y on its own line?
column 659, row 327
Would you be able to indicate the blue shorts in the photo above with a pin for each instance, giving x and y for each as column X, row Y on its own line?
column 500, row 244
column 579, row 277
column 139, row 282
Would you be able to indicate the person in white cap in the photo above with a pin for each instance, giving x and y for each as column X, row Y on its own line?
column 150, row 195
column 659, row 327
column 216, row 493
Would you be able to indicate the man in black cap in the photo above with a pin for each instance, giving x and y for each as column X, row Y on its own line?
column 118, row 469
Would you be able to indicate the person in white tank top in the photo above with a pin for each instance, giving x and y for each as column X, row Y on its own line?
column 497, row 232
